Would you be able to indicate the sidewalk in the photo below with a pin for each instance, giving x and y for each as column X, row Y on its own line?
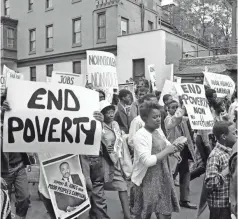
column 38, row 211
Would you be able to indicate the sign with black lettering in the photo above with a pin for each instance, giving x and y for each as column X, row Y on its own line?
column 194, row 99
column 67, row 78
column 102, row 72
column 51, row 117
column 66, row 186
column 10, row 74
column 222, row 84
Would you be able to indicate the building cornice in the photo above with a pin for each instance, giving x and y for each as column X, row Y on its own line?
column 9, row 21
column 62, row 57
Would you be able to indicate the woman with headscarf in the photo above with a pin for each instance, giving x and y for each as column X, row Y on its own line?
column 153, row 186
column 111, row 136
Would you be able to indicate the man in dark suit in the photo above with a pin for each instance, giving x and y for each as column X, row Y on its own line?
column 66, row 202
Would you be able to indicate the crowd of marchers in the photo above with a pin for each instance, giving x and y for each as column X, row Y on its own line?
column 162, row 147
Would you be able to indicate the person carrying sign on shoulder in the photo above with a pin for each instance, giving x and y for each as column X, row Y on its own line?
column 122, row 116
column 111, row 140
column 176, row 126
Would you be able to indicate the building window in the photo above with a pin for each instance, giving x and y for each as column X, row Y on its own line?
column 10, row 38
column 33, row 73
column 138, row 69
column 6, row 8
column 124, row 26
column 33, row 40
column 150, row 25
column 30, row 5
column 49, row 37
column 48, row 4
column 49, row 69
column 77, row 31
column 77, row 67
column 102, row 26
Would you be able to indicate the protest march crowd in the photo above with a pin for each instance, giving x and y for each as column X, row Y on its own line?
column 144, row 147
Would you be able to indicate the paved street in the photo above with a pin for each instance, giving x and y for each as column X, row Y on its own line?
column 37, row 211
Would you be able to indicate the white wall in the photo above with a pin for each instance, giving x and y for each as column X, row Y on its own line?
column 147, row 45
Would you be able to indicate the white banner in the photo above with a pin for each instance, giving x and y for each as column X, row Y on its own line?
column 10, row 74
column 169, row 88
column 152, row 73
column 102, row 72
column 194, row 99
column 67, row 78
column 66, row 186
column 222, row 84
column 47, row 117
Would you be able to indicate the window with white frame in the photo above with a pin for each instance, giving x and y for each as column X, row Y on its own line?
column 124, row 26
column 49, row 37
column 77, row 31
column 32, row 40
column 10, row 38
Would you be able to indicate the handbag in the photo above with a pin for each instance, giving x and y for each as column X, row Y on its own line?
column 125, row 158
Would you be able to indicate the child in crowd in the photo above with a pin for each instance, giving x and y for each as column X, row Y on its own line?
column 217, row 171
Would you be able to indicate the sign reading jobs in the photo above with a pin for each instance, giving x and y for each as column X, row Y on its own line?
column 193, row 97
column 102, row 73
column 67, row 78
column 51, row 117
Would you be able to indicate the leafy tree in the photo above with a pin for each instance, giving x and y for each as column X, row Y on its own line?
column 208, row 20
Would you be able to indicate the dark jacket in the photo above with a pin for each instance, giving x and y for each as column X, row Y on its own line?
column 122, row 119
column 63, row 200
column 5, row 159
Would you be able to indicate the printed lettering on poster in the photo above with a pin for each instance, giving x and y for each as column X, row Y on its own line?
column 49, row 116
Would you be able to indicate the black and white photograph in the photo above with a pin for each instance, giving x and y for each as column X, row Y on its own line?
column 118, row 109
column 66, row 185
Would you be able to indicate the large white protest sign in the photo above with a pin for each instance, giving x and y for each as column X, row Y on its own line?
column 194, row 99
column 51, row 117
column 10, row 74
column 152, row 73
column 66, row 186
column 222, row 84
column 102, row 72
column 67, row 78
column 169, row 88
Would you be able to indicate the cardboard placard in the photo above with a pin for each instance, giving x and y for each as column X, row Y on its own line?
column 66, row 186
column 67, row 78
column 51, row 117
column 194, row 99
column 102, row 72
column 222, row 84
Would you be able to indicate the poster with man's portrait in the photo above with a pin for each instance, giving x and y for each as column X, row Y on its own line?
column 66, row 186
